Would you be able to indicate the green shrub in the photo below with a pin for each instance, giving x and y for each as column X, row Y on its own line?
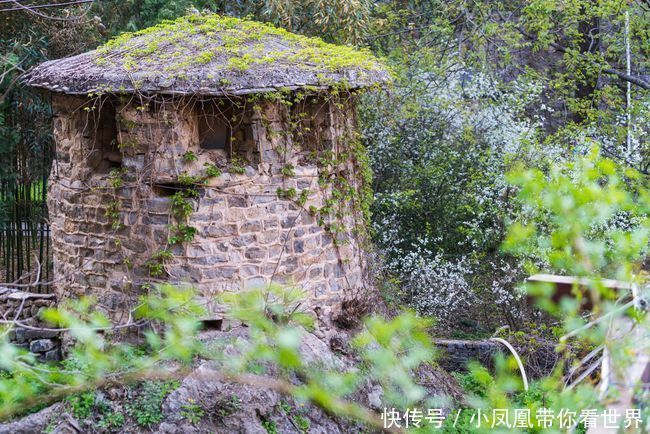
column 146, row 408
column 111, row 420
column 82, row 405
column 189, row 157
column 192, row 411
column 270, row 426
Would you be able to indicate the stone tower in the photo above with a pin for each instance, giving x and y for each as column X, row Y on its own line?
column 207, row 151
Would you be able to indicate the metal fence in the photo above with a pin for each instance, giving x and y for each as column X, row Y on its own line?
column 25, row 250
column 26, row 154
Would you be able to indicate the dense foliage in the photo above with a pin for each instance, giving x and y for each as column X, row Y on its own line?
column 390, row 351
column 484, row 87
column 514, row 140
column 480, row 86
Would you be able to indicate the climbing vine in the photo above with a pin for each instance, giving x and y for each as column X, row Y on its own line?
column 312, row 128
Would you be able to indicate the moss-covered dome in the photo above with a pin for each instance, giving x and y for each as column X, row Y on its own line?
column 211, row 55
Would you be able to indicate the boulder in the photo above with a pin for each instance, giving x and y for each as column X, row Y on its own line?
column 34, row 423
column 41, row 345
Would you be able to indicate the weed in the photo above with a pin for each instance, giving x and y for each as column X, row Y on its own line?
column 256, row 368
column 163, row 255
column 304, row 195
column 156, row 269
column 52, row 424
column 288, row 193
column 237, row 165
column 156, row 264
column 270, row 426
column 192, row 411
column 181, row 207
column 288, row 170
column 227, row 407
column 115, row 178
column 302, row 423
column 285, row 406
column 189, row 156
column 113, row 214
column 111, row 419
column 146, row 409
column 188, row 180
column 182, row 233
column 476, row 382
column 212, row 171
column 128, row 146
column 82, row 405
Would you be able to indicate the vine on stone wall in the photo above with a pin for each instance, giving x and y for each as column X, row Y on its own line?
column 344, row 175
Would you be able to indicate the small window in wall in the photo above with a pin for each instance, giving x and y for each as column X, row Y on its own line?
column 100, row 132
column 214, row 132
column 225, row 127
column 215, row 126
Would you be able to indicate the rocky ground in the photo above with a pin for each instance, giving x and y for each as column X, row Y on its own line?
column 201, row 402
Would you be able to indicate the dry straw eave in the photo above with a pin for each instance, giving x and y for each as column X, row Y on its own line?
column 209, row 54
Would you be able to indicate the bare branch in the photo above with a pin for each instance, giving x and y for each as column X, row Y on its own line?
column 32, row 9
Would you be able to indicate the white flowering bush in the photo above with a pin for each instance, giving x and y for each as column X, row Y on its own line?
column 436, row 286
column 440, row 149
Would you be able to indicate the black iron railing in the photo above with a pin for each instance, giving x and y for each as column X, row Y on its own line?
column 25, row 250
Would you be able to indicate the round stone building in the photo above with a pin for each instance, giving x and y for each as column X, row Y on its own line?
column 209, row 151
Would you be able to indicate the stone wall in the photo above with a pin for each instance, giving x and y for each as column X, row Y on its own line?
column 25, row 307
column 246, row 234
column 539, row 360
column 456, row 354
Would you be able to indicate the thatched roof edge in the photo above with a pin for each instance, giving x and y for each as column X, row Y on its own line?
column 209, row 55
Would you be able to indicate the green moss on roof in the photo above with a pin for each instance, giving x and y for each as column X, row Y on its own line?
column 244, row 42
column 201, row 52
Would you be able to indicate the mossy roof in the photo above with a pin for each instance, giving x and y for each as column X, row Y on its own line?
column 209, row 54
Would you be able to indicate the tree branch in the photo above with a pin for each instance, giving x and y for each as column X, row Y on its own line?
column 638, row 81
column 630, row 78
column 338, row 407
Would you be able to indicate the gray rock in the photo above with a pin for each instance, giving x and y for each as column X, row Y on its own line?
column 253, row 404
column 159, row 204
column 34, row 423
column 237, row 202
column 67, row 425
column 374, row 398
column 229, row 407
column 53, row 355
column 41, row 345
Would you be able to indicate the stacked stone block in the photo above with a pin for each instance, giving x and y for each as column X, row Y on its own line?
column 25, row 308
column 246, row 234
column 456, row 354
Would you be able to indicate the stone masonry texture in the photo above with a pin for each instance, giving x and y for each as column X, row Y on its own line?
column 456, row 354
column 25, row 308
column 103, row 236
